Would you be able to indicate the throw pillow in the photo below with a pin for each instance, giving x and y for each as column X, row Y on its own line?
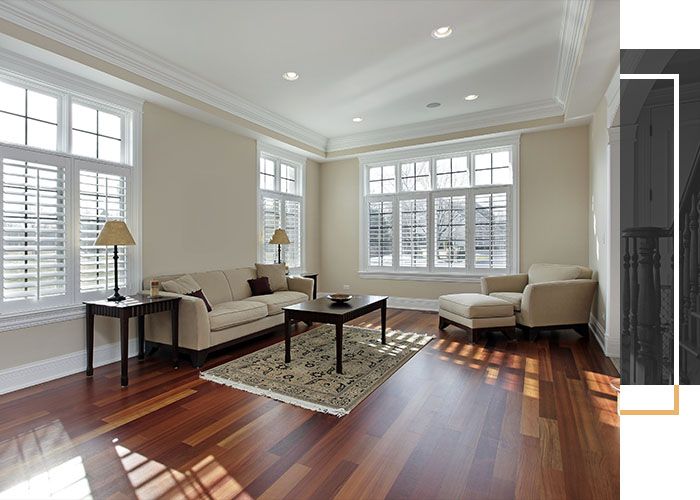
column 260, row 286
column 186, row 285
column 276, row 273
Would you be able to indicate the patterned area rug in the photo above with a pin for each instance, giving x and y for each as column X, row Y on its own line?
column 310, row 380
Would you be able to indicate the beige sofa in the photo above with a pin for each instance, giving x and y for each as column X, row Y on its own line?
column 548, row 297
column 235, row 316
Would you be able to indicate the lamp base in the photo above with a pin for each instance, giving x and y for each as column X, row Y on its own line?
column 116, row 297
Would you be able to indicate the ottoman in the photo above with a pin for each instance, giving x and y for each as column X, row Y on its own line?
column 476, row 313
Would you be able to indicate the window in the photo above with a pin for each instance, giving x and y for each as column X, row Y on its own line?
column 280, row 191
column 96, row 133
column 451, row 214
column 67, row 168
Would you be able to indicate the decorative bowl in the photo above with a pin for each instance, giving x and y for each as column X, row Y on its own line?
column 339, row 298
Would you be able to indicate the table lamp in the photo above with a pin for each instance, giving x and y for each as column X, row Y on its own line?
column 279, row 238
column 115, row 233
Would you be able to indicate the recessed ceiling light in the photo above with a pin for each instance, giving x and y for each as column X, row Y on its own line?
column 290, row 75
column 433, row 105
column 357, row 119
column 441, row 32
column 471, row 97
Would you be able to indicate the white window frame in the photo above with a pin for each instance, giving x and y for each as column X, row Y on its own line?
column 69, row 88
column 279, row 156
column 432, row 154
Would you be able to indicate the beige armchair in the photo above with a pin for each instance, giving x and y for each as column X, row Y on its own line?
column 548, row 297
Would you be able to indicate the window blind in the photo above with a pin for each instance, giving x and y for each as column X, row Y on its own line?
column 271, row 220
column 33, row 231
column 292, row 224
column 102, row 197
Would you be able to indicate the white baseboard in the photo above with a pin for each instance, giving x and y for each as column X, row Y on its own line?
column 19, row 377
column 405, row 303
column 609, row 345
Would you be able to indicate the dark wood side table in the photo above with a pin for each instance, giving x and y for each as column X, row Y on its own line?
column 134, row 306
column 324, row 311
column 313, row 276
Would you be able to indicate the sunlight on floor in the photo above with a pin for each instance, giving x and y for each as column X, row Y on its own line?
column 152, row 479
column 66, row 480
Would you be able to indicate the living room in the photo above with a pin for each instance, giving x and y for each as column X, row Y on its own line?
column 406, row 163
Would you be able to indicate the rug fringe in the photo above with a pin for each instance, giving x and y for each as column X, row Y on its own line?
column 337, row 412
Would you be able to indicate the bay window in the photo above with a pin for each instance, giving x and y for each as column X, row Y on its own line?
column 67, row 166
column 280, row 202
column 440, row 213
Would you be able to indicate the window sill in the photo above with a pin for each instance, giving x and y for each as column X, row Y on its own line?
column 29, row 319
column 437, row 277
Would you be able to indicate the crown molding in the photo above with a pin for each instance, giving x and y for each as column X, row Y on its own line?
column 574, row 26
column 510, row 114
column 52, row 21
column 55, row 23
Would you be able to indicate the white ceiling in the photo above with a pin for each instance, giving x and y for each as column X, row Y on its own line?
column 373, row 59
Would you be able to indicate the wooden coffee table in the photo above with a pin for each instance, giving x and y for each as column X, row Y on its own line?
column 324, row 311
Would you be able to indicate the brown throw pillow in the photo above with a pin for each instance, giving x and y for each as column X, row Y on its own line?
column 276, row 273
column 186, row 285
column 260, row 286
column 200, row 295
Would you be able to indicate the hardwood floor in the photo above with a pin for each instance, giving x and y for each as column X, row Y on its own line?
column 494, row 420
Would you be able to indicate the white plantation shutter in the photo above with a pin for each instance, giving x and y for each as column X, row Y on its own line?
column 413, row 222
column 33, row 232
column 102, row 197
column 271, row 220
column 381, row 233
column 490, row 230
column 292, row 224
column 450, row 231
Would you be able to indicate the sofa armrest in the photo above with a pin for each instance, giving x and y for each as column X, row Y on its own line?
column 301, row 284
column 194, row 324
column 509, row 283
column 557, row 302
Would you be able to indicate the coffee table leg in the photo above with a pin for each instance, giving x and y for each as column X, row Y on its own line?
column 287, row 338
column 339, row 348
column 384, row 322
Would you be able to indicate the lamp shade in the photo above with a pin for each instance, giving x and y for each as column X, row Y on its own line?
column 279, row 238
column 114, row 232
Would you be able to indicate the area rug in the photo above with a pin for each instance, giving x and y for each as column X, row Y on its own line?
column 310, row 380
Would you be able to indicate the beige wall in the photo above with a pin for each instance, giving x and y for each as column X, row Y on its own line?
column 598, row 212
column 198, row 211
column 553, row 215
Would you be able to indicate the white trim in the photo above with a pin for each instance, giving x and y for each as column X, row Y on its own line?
column 420, row 276
column 612, row 98
column 577, row 15
column 27, row 375
column 50, row 20
column 29, row 319
column 609, row 344
column 545, row 108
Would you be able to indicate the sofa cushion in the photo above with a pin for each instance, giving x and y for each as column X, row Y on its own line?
column 514, row 298
column 260, row 286
column 228, row 314
column 276, row 273
column 215, row 286
column 542, row 273
column 278, row 300
column 186, row 285
column 238, row 281
column 475, row 305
